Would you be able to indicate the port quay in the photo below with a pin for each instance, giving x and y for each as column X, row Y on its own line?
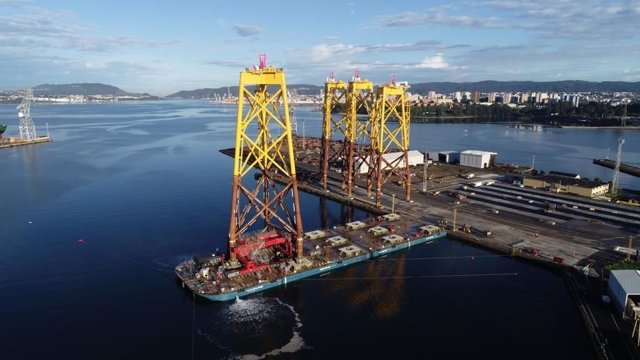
column 574, row 235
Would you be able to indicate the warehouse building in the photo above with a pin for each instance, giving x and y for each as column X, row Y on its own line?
column 478, row 159
column 415, row 158
column 449, row 157
column 559, row 184
column 624, row 290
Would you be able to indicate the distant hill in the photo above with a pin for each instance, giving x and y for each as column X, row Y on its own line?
column 301, row 89
column 81, row 89
column 568, row 86
column 200, row 93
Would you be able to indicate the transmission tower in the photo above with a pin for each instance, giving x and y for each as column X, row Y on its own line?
column 616, row 170
column 27, row 128
column 257, row 148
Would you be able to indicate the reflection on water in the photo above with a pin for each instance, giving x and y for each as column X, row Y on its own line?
column 382, row 290
column 347, row 214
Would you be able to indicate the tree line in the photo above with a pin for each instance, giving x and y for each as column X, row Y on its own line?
column 590, row 113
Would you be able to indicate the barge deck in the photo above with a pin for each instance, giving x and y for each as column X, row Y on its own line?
column 214, row 278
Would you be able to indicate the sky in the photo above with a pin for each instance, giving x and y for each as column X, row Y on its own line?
column 163, row 46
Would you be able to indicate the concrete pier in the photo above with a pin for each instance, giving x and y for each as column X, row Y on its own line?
column 501, row 214
column 625, row 168
column 13, row 141
column 574, row 232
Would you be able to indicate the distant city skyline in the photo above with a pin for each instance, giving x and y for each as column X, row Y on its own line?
column 164, row 47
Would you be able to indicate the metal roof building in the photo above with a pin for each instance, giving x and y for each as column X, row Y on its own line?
column 415, row 158
column 449, row 157
column 478, row 159
column 622, row 284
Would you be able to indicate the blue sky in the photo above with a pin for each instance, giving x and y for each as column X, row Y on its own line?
column 164, row 46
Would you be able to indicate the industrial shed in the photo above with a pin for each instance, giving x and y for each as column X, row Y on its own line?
column 449, row 157
column 415, row 158
column 478, row 159
column 624, row 289
column 564, row 184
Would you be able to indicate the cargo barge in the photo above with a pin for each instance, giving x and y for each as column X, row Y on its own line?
column 265, row 189
column 264, row 266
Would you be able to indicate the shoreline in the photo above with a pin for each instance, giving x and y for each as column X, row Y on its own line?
column 600, row 127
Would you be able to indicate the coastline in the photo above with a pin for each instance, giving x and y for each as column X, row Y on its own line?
column 601, row 127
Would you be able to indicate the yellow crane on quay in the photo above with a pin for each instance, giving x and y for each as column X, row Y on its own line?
column 335, row 94
column 390, row 132
column 375, row 126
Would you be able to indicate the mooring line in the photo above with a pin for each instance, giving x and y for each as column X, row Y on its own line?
column 193, row 326
column 412, row 277
column 471, row 257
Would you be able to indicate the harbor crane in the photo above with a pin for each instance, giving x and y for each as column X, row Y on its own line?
column 27, row 128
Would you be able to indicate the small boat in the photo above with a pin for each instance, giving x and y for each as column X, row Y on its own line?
column 3, row 128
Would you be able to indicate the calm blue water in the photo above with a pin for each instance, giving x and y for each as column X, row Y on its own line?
column 144, row 186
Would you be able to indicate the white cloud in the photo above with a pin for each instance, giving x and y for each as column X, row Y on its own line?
column 235, row 64
column 247, row 30
column 95, row 66
column 437, row 17
column 322, row 52
column 433, row 62
column 612, row 10
column 545, row 18
column 404, row 19
column 38, row 28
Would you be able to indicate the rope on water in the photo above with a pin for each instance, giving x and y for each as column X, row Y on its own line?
column 412, row 277
column 470, row 257
column 193, row 326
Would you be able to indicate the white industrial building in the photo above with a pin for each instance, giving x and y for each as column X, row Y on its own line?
column 415, row 158
column 448, row 157
column 624, row 284
column 477, row 159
